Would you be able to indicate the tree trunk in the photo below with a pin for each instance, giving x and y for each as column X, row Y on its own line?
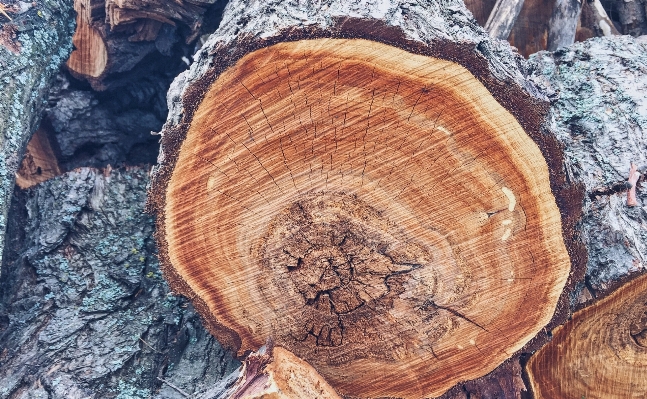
column 350, row 146
column 33, row 44
column 594, row 22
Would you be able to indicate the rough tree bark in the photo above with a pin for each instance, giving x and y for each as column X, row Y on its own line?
column 33, row 44
column 503, row 17
column 84, row 311
column 201, row 197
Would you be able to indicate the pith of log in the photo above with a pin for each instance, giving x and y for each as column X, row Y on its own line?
column 503, row 17
column 600, row 354
column 39, row 163
column 330, row 194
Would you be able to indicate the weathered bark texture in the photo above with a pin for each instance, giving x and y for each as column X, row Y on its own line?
column 503, row 17
column 598, row 113
column 563, row 23
column 97, row 129
column 631, row 16
column 247, row 41
column 32, row 47
column 84, row 311
column 117, row 38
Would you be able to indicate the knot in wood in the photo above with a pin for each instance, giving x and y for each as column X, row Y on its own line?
column 343, row 258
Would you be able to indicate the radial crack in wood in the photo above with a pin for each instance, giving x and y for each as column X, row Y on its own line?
column 374, row 211
column 600, row 354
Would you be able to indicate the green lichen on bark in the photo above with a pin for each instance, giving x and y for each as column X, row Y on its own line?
column 44, row 38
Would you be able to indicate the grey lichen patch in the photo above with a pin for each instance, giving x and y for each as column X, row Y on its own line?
column 43, row 36
column 599, row 113
column 78, row 315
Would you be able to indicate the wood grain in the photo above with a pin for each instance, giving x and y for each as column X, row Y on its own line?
column 600, row 354
column 39, row 163
column 90, row 55
column 374, row 211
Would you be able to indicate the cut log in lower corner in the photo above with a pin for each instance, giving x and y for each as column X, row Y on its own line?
column 600, row 354
column 374, row 203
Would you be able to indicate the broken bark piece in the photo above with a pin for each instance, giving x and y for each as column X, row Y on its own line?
column 374, row 210
column 503, row 17
column 276, row 373
column 40, row 162
column 600, row 354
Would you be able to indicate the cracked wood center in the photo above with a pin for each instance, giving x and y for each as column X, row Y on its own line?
column 373, row 211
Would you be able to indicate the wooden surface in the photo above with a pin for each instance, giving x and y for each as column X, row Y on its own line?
column 275, row 373
column 375, row 212
column 39, row 163
column 90, row 55
column 600, row 354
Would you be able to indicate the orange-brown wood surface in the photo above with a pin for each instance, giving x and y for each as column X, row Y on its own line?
column 90, row 56
column 39, row 162
column 600, row 354
column 375, row 212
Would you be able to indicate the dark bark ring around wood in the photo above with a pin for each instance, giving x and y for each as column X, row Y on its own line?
column 453, row 259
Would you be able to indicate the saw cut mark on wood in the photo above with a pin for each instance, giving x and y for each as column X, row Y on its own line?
column 600, row 354
column 374, row 211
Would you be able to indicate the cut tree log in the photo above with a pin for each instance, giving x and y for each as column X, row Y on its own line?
column 600, row 354
column 503, row 17
column 33, row 44
column 113, row 36
column 348, row 183
column 563, row 23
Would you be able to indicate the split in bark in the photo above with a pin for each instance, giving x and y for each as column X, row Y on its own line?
column 600, row 354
